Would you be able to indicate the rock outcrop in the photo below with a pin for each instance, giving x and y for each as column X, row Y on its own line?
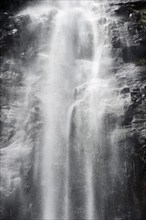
column 129, row 43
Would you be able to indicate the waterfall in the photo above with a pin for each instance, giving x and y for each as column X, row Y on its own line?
column 79, row 158
column 77, row 94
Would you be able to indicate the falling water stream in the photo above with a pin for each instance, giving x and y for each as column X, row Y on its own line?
column 71, row 76
column 75, row 93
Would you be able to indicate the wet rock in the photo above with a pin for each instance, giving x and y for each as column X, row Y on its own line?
column 136, row 96
column 11, row 205
column 133, row 19
column 135, row 16
column 125, row 90
column 133, row 53
column 143, row 91
column 133, row 4
column 3, row 212
column 7, row 132
column 13, row 5
column 116, row 42
column 22, row 21
column 128, row 115
column 8, row 34
column 11, row 28
column 123, row 10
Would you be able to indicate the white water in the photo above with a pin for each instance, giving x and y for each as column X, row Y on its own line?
column 76, row 93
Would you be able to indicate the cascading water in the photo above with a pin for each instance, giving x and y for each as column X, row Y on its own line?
column 71, row 76
column 76, row 96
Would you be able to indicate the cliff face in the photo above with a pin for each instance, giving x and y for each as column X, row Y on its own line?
column 18, row 194
column 128, row 35
column 13, row 5
column 130, row 44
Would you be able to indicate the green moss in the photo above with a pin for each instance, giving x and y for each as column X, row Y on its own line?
column 141, row 62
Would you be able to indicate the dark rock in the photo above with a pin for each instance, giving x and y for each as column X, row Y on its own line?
column 128, row 115
column 3, row 212
column 116, row 42
column 7, row 132
column 143, row 90
column 123, row 10
column 125, row 90
column 9, row 34
column 133, row 4
column 136, row 96
column 133, row 53
column 135, row 16
column 13, row 5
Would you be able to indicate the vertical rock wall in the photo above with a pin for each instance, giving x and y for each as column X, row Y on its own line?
column 129, row 42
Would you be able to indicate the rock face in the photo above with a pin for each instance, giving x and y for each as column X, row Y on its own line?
column 129, row 42
column 128, row 36
column 18, row 187
column 13, row 5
